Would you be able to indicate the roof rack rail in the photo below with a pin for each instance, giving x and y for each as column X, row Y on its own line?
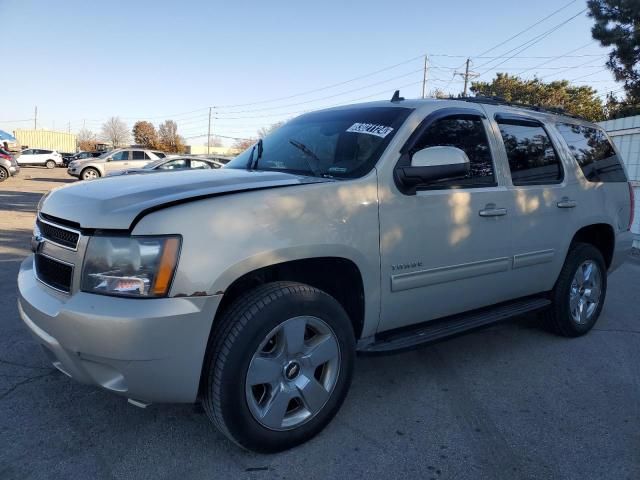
column 536, row 108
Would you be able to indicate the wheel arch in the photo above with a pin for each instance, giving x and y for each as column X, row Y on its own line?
column 601, row 236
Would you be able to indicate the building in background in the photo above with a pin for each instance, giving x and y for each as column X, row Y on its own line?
column 625, row 133
column 60, row 141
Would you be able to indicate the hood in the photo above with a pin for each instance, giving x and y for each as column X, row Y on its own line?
column 117, row 202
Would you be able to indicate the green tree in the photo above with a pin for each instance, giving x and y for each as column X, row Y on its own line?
column 617, row 25
column 144, row 133
column 582, row 100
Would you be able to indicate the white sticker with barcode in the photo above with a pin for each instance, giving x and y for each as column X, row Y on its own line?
column 370, row 129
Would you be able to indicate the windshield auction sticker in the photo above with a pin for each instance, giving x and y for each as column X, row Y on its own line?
column 370, row 129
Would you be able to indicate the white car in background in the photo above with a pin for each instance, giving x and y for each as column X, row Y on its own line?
column 38, row 156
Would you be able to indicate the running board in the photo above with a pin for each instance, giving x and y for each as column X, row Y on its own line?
column 432, row 331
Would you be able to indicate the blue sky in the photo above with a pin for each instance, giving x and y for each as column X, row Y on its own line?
column 81, row 62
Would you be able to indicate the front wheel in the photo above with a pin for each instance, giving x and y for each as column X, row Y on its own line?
column 278, row 366
column 50, row 164
column 4, row 174
column 90, row 174
column 579, row 293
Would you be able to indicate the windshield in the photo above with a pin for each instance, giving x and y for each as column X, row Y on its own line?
column 154, row 164
column 343, row 143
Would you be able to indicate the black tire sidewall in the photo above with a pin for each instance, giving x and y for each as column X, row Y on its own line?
column 235, row 411
column 565, row 323
column 6, row 174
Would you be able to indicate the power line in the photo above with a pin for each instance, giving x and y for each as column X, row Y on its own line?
column 528, row 44
column 557, row 57
column 527, row 29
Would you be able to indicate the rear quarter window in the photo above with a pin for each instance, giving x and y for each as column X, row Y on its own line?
column 594, row 153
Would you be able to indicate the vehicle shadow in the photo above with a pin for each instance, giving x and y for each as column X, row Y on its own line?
column 53, row 180
column 11, row 201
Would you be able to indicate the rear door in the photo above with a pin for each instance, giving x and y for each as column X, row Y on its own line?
column 445, row 247
column 119, row 161
column 139, row 159
column 42, row 156
column 543, row 199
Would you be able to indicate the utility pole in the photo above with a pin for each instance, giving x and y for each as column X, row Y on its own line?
column 209, row 133
column 69, row 127
column 467, row 75
column 35, row 118
column 425, row 76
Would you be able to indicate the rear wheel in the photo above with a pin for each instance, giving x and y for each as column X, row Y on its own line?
column 579, row 293
column 50, row 164
column 90, row 174
column 4, row 174
column 278, row 366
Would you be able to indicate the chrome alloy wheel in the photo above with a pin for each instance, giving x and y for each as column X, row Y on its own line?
column 585, row 291
column 293, row 372
column 90, row 174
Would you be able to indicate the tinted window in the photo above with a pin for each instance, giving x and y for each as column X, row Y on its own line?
column 174, row 164
column 593, row 152
column 120, row 156
column 202, row 164
column 160, row 154
column 532, row 158
column 469, row 136
column 137, row 155
column 342, row 143
column 146, row 156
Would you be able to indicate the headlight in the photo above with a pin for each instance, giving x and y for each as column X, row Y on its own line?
column 130, row 266
column 73, row 164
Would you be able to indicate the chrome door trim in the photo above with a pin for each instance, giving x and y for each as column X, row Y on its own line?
column 433, row 276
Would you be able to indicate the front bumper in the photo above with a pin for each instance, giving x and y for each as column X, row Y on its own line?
column 74, row 172
column 145, row 349
column 14, row 170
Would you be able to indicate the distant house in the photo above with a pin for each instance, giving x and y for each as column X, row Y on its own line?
column 625, row 133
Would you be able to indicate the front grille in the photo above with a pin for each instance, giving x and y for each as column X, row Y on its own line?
column 53, row 273
column 61, row 236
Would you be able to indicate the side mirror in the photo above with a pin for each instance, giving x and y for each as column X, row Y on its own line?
column 434, row 163
column 108, row 159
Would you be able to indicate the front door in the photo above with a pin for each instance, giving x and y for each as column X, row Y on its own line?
column 139, row 159
column 445, row 248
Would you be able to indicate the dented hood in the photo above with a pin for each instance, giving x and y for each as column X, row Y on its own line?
column 116, row 203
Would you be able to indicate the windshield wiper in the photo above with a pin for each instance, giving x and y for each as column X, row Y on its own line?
column 251, row 165
column 306, row 150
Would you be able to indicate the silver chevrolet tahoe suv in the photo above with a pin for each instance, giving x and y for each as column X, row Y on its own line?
column 367, row 228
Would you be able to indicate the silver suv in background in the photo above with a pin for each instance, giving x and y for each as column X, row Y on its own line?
column 8, row 165
column 367, row 228
column 119, row 159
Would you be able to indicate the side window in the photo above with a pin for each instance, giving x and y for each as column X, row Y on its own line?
column 120, row 156
column 27, row 152
column 160, row 154
column 200, row 164
column 593, row 152
column 146, row 156
column 469, row 135
column 532, row 158
column 174, row 164
column 138, row 155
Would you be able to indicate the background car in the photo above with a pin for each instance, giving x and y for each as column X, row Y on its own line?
column 171, row 164
column 66, row 160
column 119, row 159
column 8, row 165
column 38, row 156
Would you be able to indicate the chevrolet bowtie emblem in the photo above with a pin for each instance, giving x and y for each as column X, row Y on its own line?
column 36, row 240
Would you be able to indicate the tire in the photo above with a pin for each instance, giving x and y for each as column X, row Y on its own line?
column 89, row 173
column 50, row 164
column 568, row 294
column 272, row 313
column 4, row 174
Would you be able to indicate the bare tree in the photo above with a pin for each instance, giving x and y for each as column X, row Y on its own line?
column 214, row 142
column 115, row 132
column 264, row 131
column 86, row 140
column 241, row 144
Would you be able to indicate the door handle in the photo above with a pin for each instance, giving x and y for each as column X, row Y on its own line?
column 566, row 203
column 491, row 211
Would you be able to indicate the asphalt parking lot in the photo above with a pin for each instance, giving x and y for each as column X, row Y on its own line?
column 511, row 401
